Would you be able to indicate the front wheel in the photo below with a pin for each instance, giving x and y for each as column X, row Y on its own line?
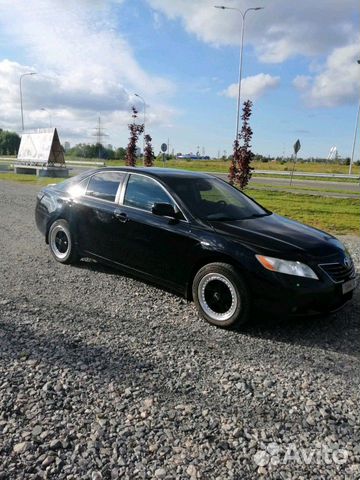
column 61, row 243
column 220, row 295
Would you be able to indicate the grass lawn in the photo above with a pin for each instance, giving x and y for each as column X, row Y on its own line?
column 335, row 215
column 220, row 166
column 300, row 177
column 305, row 189
column 29, row 179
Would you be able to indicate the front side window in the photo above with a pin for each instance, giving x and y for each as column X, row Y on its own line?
column 142, row 192
column 104, row 185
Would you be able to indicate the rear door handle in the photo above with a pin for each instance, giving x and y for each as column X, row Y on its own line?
column 121, row 216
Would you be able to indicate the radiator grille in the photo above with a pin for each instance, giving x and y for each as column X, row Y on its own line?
column 338, row 272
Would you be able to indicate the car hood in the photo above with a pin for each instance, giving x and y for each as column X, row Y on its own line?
column 273, row 233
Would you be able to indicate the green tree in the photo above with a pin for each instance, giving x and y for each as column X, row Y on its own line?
column 120, row 153
column 9, row 142
column 240, row 168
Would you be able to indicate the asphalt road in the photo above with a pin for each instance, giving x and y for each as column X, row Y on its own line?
column 315, row 186
column 331, row 188
column 336, row 189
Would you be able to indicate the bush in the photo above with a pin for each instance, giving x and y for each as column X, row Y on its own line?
column 240, row 170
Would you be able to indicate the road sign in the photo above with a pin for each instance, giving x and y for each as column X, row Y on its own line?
column 297, row 146
column 163, row 147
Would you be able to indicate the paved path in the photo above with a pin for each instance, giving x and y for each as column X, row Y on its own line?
column 337, row 189
column 316, row 186
column 311, row 187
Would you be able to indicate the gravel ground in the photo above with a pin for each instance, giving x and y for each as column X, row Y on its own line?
column 102, row 376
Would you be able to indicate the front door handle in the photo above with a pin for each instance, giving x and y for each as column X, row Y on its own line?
column 121, row 216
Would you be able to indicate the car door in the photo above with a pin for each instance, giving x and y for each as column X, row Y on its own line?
column 150, row 243
column 95, row 219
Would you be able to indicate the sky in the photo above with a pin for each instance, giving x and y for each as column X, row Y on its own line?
column 182, row 57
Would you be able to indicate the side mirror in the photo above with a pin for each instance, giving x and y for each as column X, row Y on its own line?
column 163, row 210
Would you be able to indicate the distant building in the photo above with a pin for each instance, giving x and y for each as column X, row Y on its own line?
column 333, row 154
column 109, row 146
column 192, row 156
column 67, row 146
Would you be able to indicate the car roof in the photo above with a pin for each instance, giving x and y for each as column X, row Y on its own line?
column 158, row 172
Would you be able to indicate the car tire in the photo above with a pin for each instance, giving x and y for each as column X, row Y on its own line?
column 221, row 296
column 61, row 243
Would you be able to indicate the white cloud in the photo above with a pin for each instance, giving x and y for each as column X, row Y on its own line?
column 157, row 20
column 84, row 65
column 339, row 81
column 253, row 87
column 301, row 81
column 282, row 30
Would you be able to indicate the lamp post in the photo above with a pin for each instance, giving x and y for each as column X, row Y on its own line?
column 21, row 100
column 243, row 15
column 144, row 105
column 50, row 117
column 355, row 135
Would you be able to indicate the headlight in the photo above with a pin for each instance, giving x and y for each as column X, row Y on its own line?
column 287, row 266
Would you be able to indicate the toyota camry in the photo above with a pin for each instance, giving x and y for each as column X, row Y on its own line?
column 197, row 235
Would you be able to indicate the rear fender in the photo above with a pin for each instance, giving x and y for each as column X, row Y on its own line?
column 61, row 211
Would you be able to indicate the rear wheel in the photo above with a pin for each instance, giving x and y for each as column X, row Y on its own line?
column 61, row 243
column 220, row 295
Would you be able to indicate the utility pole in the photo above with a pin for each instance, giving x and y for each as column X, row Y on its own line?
column 21, row 97
column 355, row 135
column 243, row 16
column 144, row 133
column 99, row 134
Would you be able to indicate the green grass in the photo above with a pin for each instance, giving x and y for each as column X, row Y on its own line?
column 336, row 215
column 219, row 166
column 305, row 189
column 306, row 167
column 211, row 167
column 301, row 177
column 29, row 179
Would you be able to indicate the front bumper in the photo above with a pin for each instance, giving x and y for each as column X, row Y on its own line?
column 287, row 294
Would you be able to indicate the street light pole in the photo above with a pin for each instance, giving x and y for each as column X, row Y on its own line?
column 50, row 117
column 144, row 105
column 355, row 135
column 21, row 99
column 243, row 15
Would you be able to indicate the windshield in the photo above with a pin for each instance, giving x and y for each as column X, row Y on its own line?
column 213, row 199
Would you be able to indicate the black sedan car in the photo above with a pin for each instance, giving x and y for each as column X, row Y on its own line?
column 199, row 236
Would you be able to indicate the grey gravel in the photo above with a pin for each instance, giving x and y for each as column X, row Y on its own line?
column 103, row 376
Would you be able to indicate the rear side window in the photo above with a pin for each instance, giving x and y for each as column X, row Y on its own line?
column 104, row 185
column 78, row 189
column 142, row 192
